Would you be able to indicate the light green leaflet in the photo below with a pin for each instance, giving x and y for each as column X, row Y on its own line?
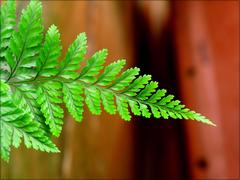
column 35, row 84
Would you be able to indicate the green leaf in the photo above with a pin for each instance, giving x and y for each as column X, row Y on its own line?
column 155, row 111
column 7, row 16
column 108, row 102
column 166, row 100
column 93, row 100
column 49, row 96
column 157, row 96
column 125, row 79
column 72, row 96
column 26, row 42
column 137, row 85
column 16, row 124
column 145, row 111
column 49, row 54
column 74, row 56
column 25, row 97
column 148, row 90
column 110, row 72
column 122, row 108
column 94, row 65
column 134, row 107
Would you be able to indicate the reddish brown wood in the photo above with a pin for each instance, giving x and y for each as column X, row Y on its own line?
column 207, row 41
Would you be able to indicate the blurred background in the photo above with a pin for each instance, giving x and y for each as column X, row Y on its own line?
column 192, row 49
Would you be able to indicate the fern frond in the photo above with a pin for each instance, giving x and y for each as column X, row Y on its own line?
column 25, row 97
column 16, row 124
column 49, row 98
column 25, row 43
column 94, row 65
column 7, row 17
column 35, row 84
column 110, row 72
column 125, row 79
column 138, row 84
column 108, row 102
column 134, row 107
column 74, row 56
column 49, row 54
column 72, row 97
column 93, row 100
column 122, row 107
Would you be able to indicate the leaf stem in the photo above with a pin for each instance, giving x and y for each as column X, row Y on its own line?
column 100, row 88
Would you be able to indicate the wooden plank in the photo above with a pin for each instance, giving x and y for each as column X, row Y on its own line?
column 207, row 41
column 159, row 144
